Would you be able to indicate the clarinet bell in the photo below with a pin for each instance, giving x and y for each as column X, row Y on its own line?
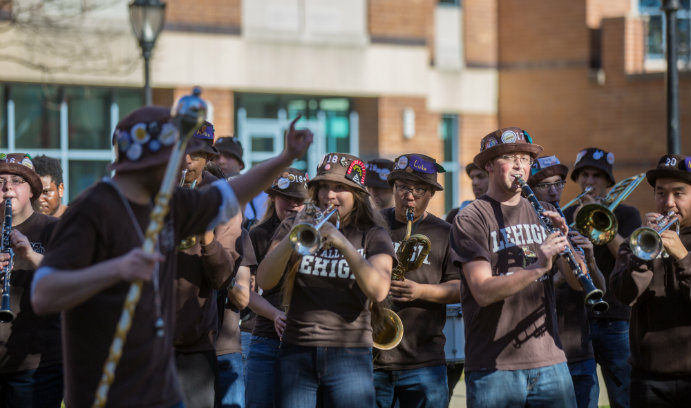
column 6, row 315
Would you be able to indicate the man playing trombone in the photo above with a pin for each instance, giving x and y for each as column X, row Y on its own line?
column 513, row 353
column 608, row 330
column 654, row 280
column 414, row 372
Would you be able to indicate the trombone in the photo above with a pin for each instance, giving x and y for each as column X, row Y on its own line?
column 597, row 221
column 585, row 192
column 646, row 242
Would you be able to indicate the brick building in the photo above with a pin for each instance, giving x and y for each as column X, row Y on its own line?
column 373, row 77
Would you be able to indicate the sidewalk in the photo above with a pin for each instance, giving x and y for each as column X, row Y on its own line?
column 458, row 397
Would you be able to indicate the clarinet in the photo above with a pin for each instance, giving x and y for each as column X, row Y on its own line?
column 593, row 296
column 6, row 315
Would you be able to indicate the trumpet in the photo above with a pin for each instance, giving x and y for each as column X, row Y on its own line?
column 646, row 242
column 305, row 237
column 597, row 221
column 7, row 315
column 593, row 296
column 188, row 242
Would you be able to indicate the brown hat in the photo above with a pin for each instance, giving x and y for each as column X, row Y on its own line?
column 232, row 146
column 470, row 167
column 291, row 182
column 417, row 167
column 203, row 140
column 21, row 165
column 144, row 138
column 378, row 170
column 342, row 168
column 597, row 158
column 546, row 166
column 505, row 140
column 673, row 166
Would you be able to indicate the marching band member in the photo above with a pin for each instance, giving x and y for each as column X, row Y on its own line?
column 547, row 179
column 380, row 192
column 204, row 266
column 30, row 351
column 287, row 195
column 609, row 331
column 414, row 372
column 513, row 354
column 479, row 182
column 96, row 251
column 658, row 291
column 50, row 172
column 326, row 348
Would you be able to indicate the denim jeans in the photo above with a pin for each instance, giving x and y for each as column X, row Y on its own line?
column 230, row 384
column 341, row 376
column 418, row 387
column 611, row 344
column 260, row 378
column 546, row 387
column 41, row 387
column 585, row 383
column 245, row 340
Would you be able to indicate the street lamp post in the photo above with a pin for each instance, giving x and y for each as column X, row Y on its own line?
column 147, row 18
column 670, row 8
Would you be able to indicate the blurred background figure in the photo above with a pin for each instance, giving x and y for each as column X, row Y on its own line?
column 479, row 181
column 50, row 200
column 380, row 192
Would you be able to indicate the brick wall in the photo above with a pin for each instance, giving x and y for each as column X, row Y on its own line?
column 368, row 120
column 480, row 32
column 407, row 19
column 223, row 106
column 211, row 13
column 471, row 129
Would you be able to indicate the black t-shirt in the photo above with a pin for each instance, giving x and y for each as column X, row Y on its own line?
column 629, row 219
column 261, row 239
column 29, row 341
column 423, row 322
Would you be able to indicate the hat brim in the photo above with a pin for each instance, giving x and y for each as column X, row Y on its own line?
column 294, row 194
column 402, row 174
column 555, row 170
column 494, row 151
column 27, row 174
column 654, row 174
column 338, row 179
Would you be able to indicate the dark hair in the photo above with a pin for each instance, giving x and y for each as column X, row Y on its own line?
column 363, row 215
column 48, row 166
column 215, row 171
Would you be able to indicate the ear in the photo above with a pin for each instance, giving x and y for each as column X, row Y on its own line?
column 61, row 190
column 488, row 166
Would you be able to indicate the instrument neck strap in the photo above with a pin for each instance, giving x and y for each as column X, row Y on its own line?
column 140, row 234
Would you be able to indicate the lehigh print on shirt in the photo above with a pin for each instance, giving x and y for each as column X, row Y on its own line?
column 330, row 263
column 416, row 252
column 518, row 237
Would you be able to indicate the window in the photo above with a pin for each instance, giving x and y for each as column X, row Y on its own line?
column 71, row 123
column 655, row 41
column 448, row 131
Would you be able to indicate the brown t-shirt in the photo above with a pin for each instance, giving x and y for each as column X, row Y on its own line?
column 201, row 270
column 96, row 227
column 658, row 292
column 229, row 335
column 423, row 322
column 518, row 332
column 29, row 341
column 261, row 238
column 328, row 308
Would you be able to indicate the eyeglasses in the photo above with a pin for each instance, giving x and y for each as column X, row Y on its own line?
column 559, row 185
column 416, row 191
column 524, row 160
column 13, row 182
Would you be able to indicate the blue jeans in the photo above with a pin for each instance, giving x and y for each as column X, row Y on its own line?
column 418, row 387
column 611, row 344
column 547, row 387
column 585, row 384
column 260, row 378
column 230, row 385
column 341, row 376
column 41, row 387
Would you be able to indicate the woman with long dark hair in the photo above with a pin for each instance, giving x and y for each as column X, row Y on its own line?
column 326, row 347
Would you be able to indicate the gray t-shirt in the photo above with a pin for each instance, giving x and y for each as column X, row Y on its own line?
column 518, row 332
